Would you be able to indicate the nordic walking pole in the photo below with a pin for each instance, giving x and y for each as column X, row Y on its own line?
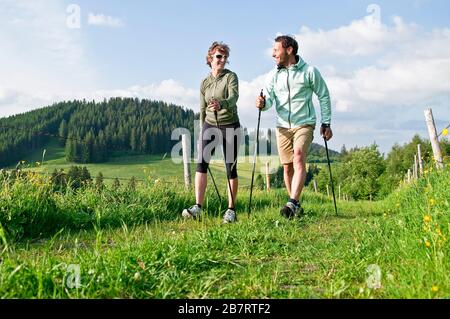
column 215, row 186
column 331, row 177
column 225, row 161
column 254, row 157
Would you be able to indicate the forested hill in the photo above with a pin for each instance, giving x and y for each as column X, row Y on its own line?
column 317, row 153
column 91, row 131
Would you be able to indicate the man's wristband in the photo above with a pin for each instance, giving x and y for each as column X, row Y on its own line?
column 326, row 125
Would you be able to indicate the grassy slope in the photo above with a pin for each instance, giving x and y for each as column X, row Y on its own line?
column 319, row 255
column 146, row 166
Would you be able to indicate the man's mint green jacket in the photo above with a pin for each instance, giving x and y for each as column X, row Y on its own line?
column 290, row 90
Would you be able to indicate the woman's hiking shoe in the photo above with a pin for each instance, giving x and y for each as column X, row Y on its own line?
column 192, row 212
column 290, row 210
column 229, row 216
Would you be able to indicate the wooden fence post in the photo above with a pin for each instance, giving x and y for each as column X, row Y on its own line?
column 267, row 176
column 328, row 191
column 419, row 156
column 434, row 138
column 315, row 185
column 415, row 166
column 409, row 175
column 186, row 152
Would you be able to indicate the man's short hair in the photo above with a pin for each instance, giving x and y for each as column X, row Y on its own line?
column 219, row 46
column 288, row 41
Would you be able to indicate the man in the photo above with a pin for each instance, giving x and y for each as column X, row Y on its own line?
column 290, row 88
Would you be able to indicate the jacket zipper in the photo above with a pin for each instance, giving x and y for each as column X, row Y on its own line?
column 214, row 96
column 289, row 98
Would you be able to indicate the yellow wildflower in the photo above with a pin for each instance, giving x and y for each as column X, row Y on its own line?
column 426, row 218
column 435, row 289
column 445, row 132
column 432, row 202
column 427, row 243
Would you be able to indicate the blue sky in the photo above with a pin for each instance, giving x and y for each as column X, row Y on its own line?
column 167, row 39
column 381, row 73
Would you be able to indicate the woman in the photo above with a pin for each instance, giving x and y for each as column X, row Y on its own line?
column 219, row 93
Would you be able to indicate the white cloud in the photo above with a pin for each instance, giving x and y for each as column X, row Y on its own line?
column 41, row 58
column 363, row 37
column 380, row 76
column 168, row 90
column 174, row 92
column 7, row 96
column 248, row 113
column 379, row 64
column 104, row 20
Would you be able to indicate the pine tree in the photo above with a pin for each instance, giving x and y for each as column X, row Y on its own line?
column 62, row 132
column 133, row 140
column 246, row 142
column 344, row 151
column 70, row 149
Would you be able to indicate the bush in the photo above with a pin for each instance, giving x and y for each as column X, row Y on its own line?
column 358, row 176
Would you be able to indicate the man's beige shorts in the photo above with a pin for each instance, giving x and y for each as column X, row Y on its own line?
column 290, row 138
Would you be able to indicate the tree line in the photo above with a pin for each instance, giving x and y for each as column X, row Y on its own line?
column 91, row 132
column 365, row 173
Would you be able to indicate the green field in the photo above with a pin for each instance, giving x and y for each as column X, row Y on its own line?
column 144, row 167
column 134, row 244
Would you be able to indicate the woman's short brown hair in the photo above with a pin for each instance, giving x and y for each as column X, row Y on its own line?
column 221, row 47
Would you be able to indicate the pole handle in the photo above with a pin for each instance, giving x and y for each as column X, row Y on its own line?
column 262, row 95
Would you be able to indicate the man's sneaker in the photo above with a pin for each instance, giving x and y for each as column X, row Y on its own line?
column 229, row 216
column 192, row 212
column 290, row 210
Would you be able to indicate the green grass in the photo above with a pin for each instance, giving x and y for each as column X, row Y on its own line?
column 143, row 167
column 135, row 245
column 147, row 167
column 121, row 165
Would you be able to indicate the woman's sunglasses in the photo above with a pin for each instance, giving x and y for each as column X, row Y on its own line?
column 220, row 56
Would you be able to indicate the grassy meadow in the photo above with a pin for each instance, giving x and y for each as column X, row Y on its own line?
column 134, row 244
column 143, row 167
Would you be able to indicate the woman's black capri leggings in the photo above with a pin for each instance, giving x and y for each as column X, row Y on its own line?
column 227, row 135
